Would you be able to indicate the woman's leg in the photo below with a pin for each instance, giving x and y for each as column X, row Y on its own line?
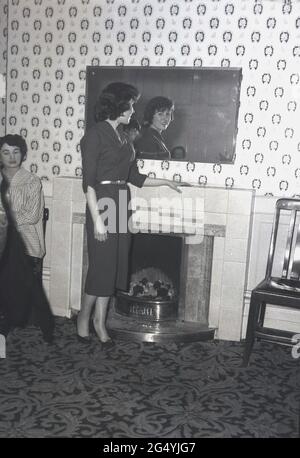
column 83, row 317
column 100, row 318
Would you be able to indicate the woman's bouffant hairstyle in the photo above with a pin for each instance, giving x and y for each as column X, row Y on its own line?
column 15, row 140
column 133, row 124
column 153, row 106
column 114, row 101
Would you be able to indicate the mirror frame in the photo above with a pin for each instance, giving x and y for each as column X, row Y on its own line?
column 220, row 125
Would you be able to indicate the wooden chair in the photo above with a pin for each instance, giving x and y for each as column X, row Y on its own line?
column 283, row 289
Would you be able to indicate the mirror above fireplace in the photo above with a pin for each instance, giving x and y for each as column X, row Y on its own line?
column 206, row 105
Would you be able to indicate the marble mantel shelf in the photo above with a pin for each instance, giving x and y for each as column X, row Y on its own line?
column 213, row 230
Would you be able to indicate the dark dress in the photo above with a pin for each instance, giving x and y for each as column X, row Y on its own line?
column 105, row 157
column 22, row 297
column 151, row 145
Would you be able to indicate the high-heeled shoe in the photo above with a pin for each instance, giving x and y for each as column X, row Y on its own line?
column 107, row 344
column 84, row 339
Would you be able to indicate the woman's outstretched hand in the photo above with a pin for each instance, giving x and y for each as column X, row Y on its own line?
column 176, row 185
column 100, row 231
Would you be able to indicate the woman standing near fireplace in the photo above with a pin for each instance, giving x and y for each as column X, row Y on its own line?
column 108, row 163
column 22, row 296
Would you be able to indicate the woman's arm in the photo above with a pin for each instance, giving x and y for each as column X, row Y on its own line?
column 138, row 179
column 163, row 182
column 27, row 202
column 100, row 231
column 91, row 147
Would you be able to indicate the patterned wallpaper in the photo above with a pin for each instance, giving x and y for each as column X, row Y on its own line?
column 3, row 54
column 50, row 42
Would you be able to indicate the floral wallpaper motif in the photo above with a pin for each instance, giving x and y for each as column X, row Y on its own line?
column 3, row 54
column 50, row 43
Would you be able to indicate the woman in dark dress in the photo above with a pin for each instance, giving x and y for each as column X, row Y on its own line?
column 22, row 296
column 108, row 163
column 3, row 239
column 157, row 116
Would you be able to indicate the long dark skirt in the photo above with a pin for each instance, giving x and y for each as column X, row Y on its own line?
column 22, row 296
column 108, row 261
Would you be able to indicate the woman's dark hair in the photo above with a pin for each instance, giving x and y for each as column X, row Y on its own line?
column 153, row 106
column 15, row 140
column 114, row 101
column 133, row 124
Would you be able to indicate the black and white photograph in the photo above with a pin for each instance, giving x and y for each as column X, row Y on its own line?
column 149, row 223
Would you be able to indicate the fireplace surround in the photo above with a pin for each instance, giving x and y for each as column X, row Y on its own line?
column 183, row 319
column 216, row 267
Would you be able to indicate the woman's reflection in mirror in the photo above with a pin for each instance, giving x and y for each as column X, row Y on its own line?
column 158, row 114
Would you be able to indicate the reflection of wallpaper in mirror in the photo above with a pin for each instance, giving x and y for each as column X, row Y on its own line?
column 206, row 104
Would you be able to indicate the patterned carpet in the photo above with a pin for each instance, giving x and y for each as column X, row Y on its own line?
column 145, row 390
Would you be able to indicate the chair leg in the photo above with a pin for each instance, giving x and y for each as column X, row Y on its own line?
column 262, row 313
column 250, row 335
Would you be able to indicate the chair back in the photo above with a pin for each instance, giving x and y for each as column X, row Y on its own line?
column 287, row 213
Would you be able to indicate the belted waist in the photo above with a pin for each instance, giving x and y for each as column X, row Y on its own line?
column 113, row 182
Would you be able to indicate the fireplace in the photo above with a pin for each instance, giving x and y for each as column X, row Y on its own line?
column 183, row 268
column 213, row 283
column 178, row 310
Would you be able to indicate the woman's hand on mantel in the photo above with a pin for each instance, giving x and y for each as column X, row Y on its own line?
column 175, row 185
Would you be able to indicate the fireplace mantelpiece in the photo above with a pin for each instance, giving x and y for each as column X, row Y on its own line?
column 226, row 215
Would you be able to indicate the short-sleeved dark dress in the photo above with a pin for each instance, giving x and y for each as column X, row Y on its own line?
column 107, row 158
